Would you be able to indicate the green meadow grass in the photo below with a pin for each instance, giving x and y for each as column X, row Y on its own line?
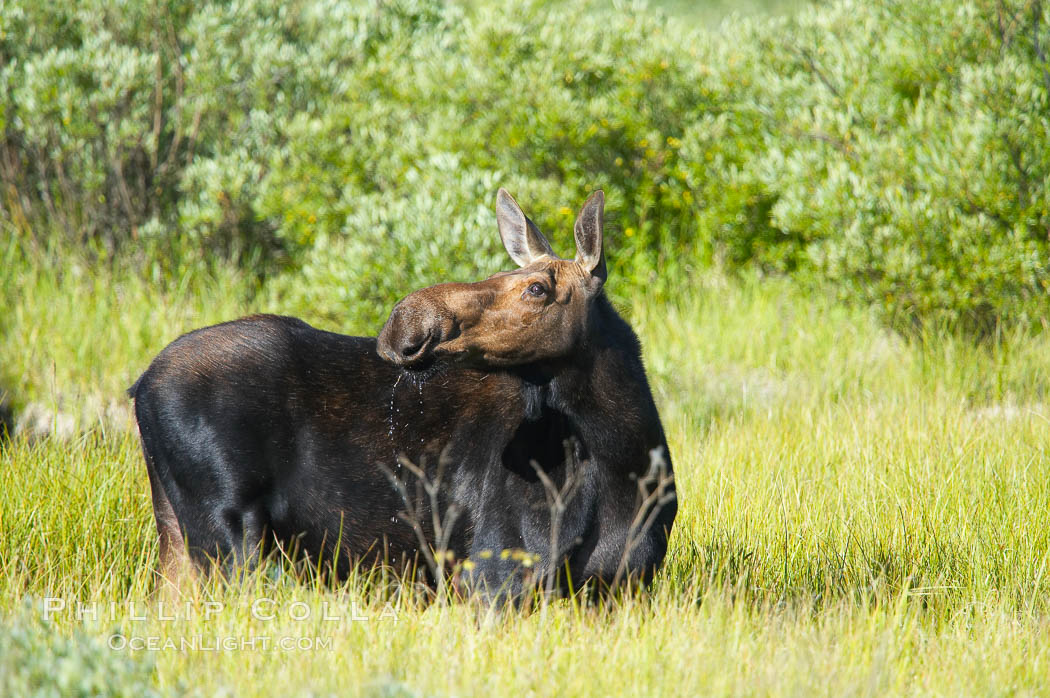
column 860, row 514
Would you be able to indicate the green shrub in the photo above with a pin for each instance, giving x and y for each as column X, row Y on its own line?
column 898, row 150
column 39, row 661
column 894, row 150
column 128, row 120
column 392, row 187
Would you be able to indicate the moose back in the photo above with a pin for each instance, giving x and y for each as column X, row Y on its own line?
column 511, row 414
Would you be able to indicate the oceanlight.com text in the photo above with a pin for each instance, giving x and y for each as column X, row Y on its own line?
column 217, row 643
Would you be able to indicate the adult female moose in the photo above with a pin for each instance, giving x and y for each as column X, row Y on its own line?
column 523, row 396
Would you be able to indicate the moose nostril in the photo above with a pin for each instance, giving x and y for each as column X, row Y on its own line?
column 413, row 347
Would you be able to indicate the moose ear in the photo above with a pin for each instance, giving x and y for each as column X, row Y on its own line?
column 588, row 230
column 523, row 240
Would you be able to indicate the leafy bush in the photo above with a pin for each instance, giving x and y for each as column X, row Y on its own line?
column 392, row 186
column 128, row 120
column 898, row 150
column 37, row 660
column 895, row 150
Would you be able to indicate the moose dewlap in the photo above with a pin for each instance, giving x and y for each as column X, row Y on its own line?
column 510, row 414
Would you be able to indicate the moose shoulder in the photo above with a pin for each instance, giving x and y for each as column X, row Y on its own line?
column 511, row 414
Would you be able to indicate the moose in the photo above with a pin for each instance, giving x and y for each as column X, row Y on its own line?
column 509, row 414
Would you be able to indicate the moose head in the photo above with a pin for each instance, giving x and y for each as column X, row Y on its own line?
column 536, row 312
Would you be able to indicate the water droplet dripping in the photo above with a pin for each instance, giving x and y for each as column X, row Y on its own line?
column 390, row 416
column 419, row 381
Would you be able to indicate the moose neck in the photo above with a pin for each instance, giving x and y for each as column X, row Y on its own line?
column 601, row 387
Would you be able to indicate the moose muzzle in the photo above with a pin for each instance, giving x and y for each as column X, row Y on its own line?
column 410, row 334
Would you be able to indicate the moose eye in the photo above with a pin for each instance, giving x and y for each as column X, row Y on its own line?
column 536, row 289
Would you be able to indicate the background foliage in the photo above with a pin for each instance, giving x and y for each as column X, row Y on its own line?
column 345, row 152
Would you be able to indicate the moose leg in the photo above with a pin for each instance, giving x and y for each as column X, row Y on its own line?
column 496, row 576
column 225, row 537
column 245, row 545
column 212, row 527
column 631, row 548
column 173, row 564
